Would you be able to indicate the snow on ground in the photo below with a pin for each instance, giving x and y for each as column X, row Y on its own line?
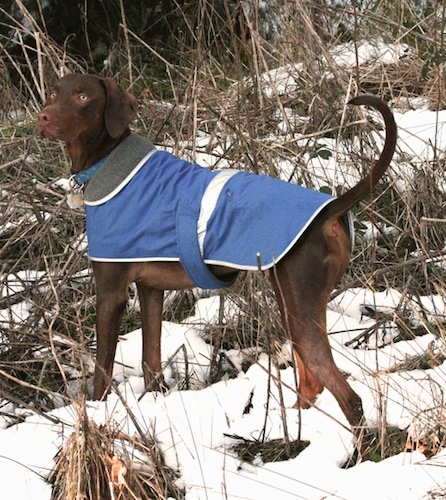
column 191, row 426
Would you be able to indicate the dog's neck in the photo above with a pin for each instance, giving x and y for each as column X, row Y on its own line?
column 86, row 175
column 83, row 157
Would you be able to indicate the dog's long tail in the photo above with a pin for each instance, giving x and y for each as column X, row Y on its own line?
column 353, row 196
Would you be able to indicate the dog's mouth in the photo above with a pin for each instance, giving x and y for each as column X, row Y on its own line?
column 48, row 131
column 46, row 134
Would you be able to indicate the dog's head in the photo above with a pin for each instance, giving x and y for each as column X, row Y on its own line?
column 81, row 107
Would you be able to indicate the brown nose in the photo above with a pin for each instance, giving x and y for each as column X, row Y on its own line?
column 44, row 120
column 43, row 116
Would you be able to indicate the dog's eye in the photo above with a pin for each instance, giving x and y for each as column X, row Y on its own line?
column 53, row 95
column 83, row 97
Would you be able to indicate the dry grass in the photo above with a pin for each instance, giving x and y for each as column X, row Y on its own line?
column 102, row 461
column 219, row 92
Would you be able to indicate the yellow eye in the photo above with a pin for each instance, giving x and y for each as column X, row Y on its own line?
column 83, row 97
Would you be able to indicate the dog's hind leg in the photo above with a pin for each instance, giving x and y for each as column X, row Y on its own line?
column 309, row 386
column 303, row 282
column 305, row 320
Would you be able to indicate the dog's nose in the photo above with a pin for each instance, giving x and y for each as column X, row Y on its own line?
column 43, row 116
column 45, row 123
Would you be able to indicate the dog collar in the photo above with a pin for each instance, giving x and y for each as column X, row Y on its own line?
column 86, row 175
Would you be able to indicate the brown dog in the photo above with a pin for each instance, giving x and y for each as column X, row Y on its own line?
column 91, row 115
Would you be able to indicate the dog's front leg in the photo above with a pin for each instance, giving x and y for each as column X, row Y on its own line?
column 111, row 299
column 151, row 300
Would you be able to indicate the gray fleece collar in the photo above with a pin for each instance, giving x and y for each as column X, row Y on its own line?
column 117, row 167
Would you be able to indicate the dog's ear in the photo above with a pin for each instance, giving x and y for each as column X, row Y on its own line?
column 120, row 108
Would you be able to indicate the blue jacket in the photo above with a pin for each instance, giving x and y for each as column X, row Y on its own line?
column 167, row 209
